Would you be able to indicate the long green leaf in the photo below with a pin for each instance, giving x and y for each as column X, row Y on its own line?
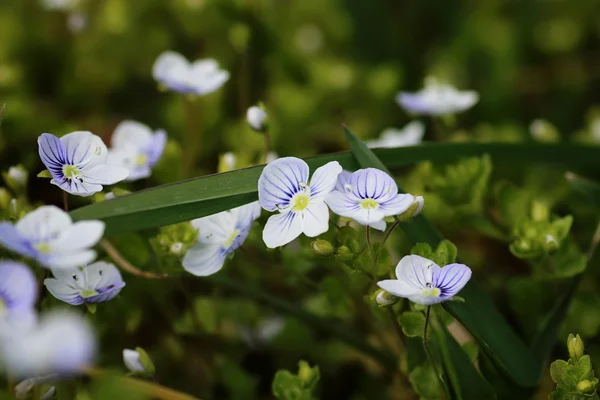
column 478, row 313
column 199, row 197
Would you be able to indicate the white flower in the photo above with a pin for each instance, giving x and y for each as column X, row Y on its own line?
column 256, row 118
column 410, row 135
column 131, row 359
column 96, row 283
column 368, row 197
column 284, row 186
column 218, row 236
column 78, row 162
column 200, row 77
column 437, row 99
column 62, row 342
column 49, row 236
column 137, row 148
column 423, row 282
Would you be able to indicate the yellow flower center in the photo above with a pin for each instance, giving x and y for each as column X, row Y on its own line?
column 43, row 248
column 232, row 237
column 301, row 202
column 369, row 204
column 70, row 171
column 141, row 159
column 88, row 293
column 433, row 292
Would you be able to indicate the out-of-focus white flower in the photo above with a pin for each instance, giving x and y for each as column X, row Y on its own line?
column 256, row 118
column 410, row 135
column 77, row 21
column 62, row 5
column 78, row 162
column 272, row 156
column 266, row 330
column 137, row 148
column 62, row 342
column 18, row 294
column 49, row 236
column 18, row 175
column 437, row 99
column 201, row 77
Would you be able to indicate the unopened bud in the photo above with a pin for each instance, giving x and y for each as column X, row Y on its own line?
column 543, row 131
column 539, row 211
column 176, row 248
column 586, row 387
column 321, row 247
column 575, row 346
column 227, row 162
column 344, row 253
column 138, row 362
column 414, row 209
column 16, row 178
column 4, row 198
column 257, row 118
column 384, row 298
column 551, row 244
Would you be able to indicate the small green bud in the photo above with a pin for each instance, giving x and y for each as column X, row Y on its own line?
column 544, row 131
column 91, row 307
column 322, row 247
column 16, row 178
column 384, row 299
column 344, row 254
column 551, row 244
column 44, row 174
column 586, row 387
column 539, row 211
column 308, row 376
column 575, row 346
column 146, row 361
column 413, row 210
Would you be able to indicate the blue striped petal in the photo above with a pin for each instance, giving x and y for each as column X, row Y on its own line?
column 324, row 179
column 372, row 183
column 52, row 153
column 451, row 279
column 279, row 181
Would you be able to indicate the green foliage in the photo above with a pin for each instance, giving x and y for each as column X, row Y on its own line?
column 413, row 323
column 425, row 382
column 574, row 378
column 300, row 386
column 444, row 254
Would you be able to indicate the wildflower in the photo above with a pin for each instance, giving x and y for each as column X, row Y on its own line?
column 368, row 197
column 256, row 117
column 62, row 342
column 49, row 236
column 201, row 77
column 77, row 162
column 218, row 236
column 96, row 283
column 424, row 282
column 410, row 135
column 437, row 99
column 138, row 362
column 284, row 186
column 136, row 148
column 18, row 294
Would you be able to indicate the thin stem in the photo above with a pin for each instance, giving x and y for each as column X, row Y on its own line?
column 148, row 388
column 66, row 201
column 193, row 135
column 397, row 327
column 385, row 238
column 126, row 265
column 426, row 325
column 370, row 246
column 267, row 145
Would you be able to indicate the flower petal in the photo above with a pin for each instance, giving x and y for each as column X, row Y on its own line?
column 398, row 288
column 204, row 259
column 64, row 292
column 131, row 133
column 12, row 240
column 18, row 286
column 105, row 174
column 416, row 271
column 170, row 66
column 281, row 229
column 341, row 204
column 280, row 180
column 157, row 146
column 72, row 260
column 53, row 154
column 43, row 224
column 102, row 276
column 246, row 214
column 77, row 188
column 315, row 219
column 372, row 183
column 380, row 226
column 324, row 179
column 397, row 204
column 215, row 229
column 343, row 180
column 451, row 279
column 84, row 149
column 79, row 236
column 131, row 359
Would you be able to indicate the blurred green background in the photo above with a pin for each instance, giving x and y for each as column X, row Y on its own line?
column 315, row 64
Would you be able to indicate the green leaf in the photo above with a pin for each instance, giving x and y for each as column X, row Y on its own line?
column 478, row 313
column 199, row 197
column 425, row 383
column 44, row 174
column 413, row 323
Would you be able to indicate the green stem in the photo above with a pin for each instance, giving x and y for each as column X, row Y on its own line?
column 427, row 314
column 193, row 136
column 370, row 247
column 267, row 145
column 385, row 238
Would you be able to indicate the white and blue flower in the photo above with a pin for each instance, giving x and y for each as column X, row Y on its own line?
column 368, row 196
column 18, row 294
column 135, row 147
column 49, row 236
column 78, row 162
column 284, row 186
column 201, row 77
column 219, row 235
column 95, row 283
column 437, row 99
column 424, row 282
column 410, row 135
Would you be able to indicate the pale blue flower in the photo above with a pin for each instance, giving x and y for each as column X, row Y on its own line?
column 410, row 135
column 77, row 162
column 437, row 99
column 424, row 282
column 219, row 235
column 62, row 342
column 95, row 283
column 201, row 77
column 136, row 148
column 284, row 186
column 368, row 196
column 49, row 236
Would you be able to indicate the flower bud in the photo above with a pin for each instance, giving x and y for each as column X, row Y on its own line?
column 551, row 244
column 344, row 254
column 384, row 298
column 307, row 375
column 586, row 387
column 543, row 131
column 257, row 118
column 414, row 209
column 176, row 248
column 16, row 178
column 575, row 346
column 227, row 162
column 539, row 211
column 321, row 247
column 138, row 362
